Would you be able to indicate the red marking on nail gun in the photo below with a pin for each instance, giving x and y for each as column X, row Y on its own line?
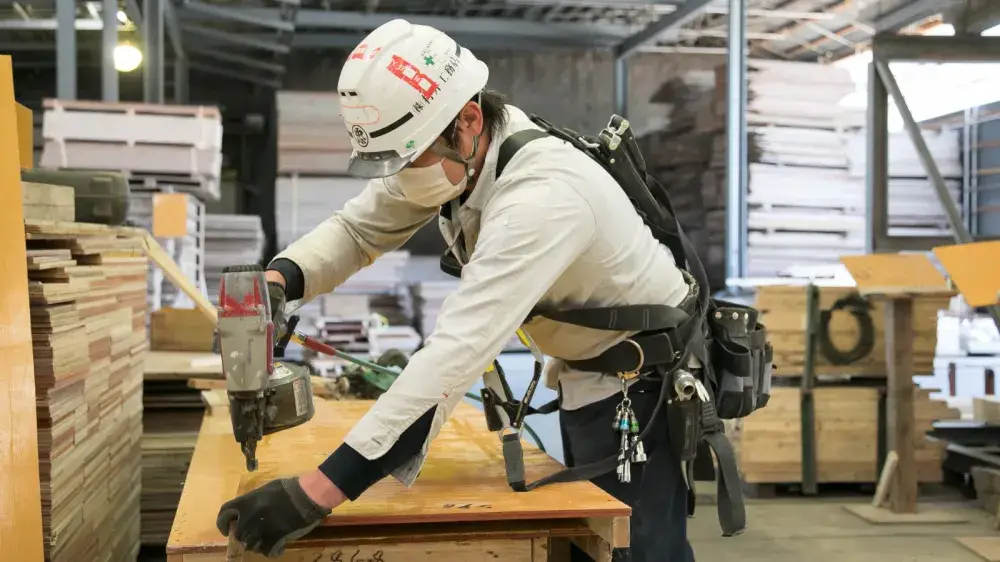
column 229, row 307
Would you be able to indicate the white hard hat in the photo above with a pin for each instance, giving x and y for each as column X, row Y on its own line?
column 399, row 90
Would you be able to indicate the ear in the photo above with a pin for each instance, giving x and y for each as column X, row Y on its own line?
column 470, row 120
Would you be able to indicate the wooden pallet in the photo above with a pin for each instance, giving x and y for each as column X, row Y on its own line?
column 87, row 294
column 132, row 123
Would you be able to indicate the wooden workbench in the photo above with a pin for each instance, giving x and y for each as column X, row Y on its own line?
column 459, row 509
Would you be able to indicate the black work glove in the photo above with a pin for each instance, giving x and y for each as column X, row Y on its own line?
column 271, row 516
column 276, row 293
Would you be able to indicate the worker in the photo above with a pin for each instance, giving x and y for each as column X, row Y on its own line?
column 554, row 230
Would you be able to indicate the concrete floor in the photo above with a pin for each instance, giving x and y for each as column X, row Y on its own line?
column 820, row 530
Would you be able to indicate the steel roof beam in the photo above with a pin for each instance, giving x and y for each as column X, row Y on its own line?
column 234, row 75
column 655, row 31
column 249, row 41
column 234, row 58
column 485, row 26
column 243, row 16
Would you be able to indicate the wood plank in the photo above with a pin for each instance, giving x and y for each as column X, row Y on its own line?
column 987, row 548
column 899, row 417
column 25, row 136
column 463, row 479
column 975, row 270
column 21, row 526
column 896, row 274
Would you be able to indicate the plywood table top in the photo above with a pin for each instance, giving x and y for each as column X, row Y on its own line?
column 463, row 479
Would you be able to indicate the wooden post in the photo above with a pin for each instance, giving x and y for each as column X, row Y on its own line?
column 901, row 434
column 21, row 525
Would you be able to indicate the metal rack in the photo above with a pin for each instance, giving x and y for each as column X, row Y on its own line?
column 882, row 83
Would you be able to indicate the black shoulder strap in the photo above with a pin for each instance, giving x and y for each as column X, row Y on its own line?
column 513, row 143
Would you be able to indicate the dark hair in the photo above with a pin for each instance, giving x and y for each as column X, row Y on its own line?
column 494, row 114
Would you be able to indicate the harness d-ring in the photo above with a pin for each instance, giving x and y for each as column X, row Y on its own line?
column 627, row 375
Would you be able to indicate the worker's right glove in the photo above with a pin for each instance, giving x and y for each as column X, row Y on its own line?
column 276, row 292
column 271, row 516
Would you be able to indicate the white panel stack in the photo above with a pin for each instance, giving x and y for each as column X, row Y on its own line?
column 312, row 137
column 914, row 207
column 804, row 206
column 302, row 203
column 154, row 145
column 188, row 251
column 230, row 240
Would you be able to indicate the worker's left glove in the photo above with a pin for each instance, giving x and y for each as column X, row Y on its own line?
column 271, row 516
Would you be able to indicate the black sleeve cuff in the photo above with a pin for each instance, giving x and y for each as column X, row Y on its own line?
column 295, row 281
column 352, row 473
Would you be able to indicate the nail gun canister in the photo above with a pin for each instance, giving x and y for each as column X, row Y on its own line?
column 290, row 401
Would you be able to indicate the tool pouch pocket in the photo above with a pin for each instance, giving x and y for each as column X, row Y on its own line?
column 741, row 359
column 684, row 425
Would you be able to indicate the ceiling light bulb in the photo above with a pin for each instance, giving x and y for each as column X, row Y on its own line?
column 127, row 58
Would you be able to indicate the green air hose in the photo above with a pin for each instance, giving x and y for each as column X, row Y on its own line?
column 382, row 373
column 860, row 309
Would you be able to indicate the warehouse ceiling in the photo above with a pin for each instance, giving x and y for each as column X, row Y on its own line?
column 257, row 35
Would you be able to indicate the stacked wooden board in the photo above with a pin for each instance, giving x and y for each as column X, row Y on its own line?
column 172, row 414
column 803, row 206
column 679, row 155
column 806, row 157
column 302, row 203
column 914, row 206
column 48, row 202
column 230, row 240
column 312, row 136
column 769, row 442
column 87, row 288
column 783, row 309
column 157, row 146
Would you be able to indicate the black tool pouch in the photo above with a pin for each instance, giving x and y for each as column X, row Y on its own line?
column 741, row 359
column 685, row 427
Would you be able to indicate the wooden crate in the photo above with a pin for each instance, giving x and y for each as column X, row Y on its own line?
column 783, row 309
column 769, row 441
column 132, row 123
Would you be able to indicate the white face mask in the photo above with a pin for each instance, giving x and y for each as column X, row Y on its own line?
column 430, row 186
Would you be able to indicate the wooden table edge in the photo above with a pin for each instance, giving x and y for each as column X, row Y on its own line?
column 596, row 535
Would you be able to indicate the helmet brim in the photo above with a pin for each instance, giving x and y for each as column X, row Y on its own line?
column 369, row 165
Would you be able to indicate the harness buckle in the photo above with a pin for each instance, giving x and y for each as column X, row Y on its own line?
column 628, row 375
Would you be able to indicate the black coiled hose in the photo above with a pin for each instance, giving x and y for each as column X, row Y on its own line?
column 860, row 309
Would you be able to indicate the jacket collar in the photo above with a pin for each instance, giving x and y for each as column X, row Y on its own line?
column 485, row 187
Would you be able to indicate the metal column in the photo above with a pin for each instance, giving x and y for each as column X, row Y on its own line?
column 66, row 49
column 877, row 180
column 152, row 38
column 181, row 75
column 621, row 86
column 736, row 138
column 109, row 40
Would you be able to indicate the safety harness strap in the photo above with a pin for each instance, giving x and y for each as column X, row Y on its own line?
column 692, row 341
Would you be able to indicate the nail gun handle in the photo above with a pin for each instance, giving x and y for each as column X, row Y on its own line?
column 279, row 346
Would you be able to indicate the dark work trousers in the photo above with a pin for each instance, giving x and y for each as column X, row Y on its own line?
column 657, row 492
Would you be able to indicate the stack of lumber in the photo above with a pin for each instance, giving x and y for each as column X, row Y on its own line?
column 429, row 296
column 783, row 309
column 770, row 441
column 312, row 136
column 172, row 414
column 188, row 250
column 804, row 208
column 42, row 201
column 230, row 240
column 87, row 289
column 302, row 203
column 914, row 207
column 156, row 146
column 678, row 156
